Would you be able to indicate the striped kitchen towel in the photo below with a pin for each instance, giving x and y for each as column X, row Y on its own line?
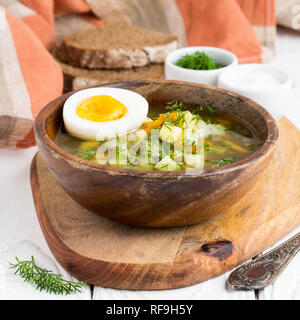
column 37, row 15
column 29, row 79
column 262, row 16
column 29, row 76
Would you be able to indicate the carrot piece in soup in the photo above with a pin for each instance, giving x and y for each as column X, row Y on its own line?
column 156, row 124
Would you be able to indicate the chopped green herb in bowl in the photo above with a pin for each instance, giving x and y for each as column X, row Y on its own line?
column 198, row 61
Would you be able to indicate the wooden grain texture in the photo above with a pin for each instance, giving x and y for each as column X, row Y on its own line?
column 108, row 254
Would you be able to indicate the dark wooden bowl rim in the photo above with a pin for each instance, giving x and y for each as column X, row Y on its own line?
column 263, row 151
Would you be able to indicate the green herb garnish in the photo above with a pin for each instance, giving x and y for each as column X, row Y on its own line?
column 201, row 108
column 175, row 106
column 198, row 61
column 221, row 126
column 45, row 280
column 169, row 125
column 206, row 147
column 222, row 162
column 210, row 108
column 85, row 154
column 225, row 144
column 198, row 109
column 196, row 117
column 252, row 147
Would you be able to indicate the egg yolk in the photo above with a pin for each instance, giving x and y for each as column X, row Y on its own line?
column 101, row 109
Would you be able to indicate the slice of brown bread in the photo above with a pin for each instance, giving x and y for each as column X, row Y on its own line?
column 79, row 78
column 116, row 45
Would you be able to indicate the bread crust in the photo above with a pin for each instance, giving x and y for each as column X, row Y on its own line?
column 114, row 58
column 78, row 78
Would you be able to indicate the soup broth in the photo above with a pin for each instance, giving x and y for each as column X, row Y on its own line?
column 223, row 140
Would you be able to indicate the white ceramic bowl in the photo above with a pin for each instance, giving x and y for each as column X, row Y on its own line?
column 209, row 77
column 266, row 85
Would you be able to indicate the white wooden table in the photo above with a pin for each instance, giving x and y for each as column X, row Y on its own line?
column 20, row 234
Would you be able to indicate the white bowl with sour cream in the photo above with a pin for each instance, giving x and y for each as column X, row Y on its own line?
column 266, row 85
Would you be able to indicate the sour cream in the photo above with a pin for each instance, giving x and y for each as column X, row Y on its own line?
column 259, row 79
column 266, row 85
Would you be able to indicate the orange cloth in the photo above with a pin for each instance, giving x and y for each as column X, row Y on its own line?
column 41, row 73
column 222, row 24
column 30, row 78
column 259, row 12
column 70, row 6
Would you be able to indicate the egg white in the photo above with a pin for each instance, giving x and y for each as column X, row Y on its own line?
column 137, row 110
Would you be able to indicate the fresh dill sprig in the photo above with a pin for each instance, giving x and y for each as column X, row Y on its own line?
column 252, row 147
column 199, row 109
column 225, row 144
column 206, row 147
column 222, row 162
column 86, row 154
column 175, row 106
column 45, row 280
column 198, row 61
column 196, row 117
column 169, row 125
column 210, row 108
column 221, row 126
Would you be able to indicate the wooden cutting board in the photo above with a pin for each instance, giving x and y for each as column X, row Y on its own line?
column 108, row 254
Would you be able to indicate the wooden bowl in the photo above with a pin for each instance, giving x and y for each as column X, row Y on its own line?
column 159, row 198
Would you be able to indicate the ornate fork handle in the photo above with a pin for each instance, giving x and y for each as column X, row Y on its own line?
column 265, row 269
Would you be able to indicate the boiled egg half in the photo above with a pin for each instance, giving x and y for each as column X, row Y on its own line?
column 104, row 113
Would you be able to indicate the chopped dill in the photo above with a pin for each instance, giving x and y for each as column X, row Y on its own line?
column 180, row 120
column 252, row 147
column 198, row 61
column 221, row 126
column 225, row 144
column 175, row 106
column 221, row 162
column 85, row 154
column 196, row 117
column 210, row 108
column 206, row 147
column 169, row 125
column 198, row 109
